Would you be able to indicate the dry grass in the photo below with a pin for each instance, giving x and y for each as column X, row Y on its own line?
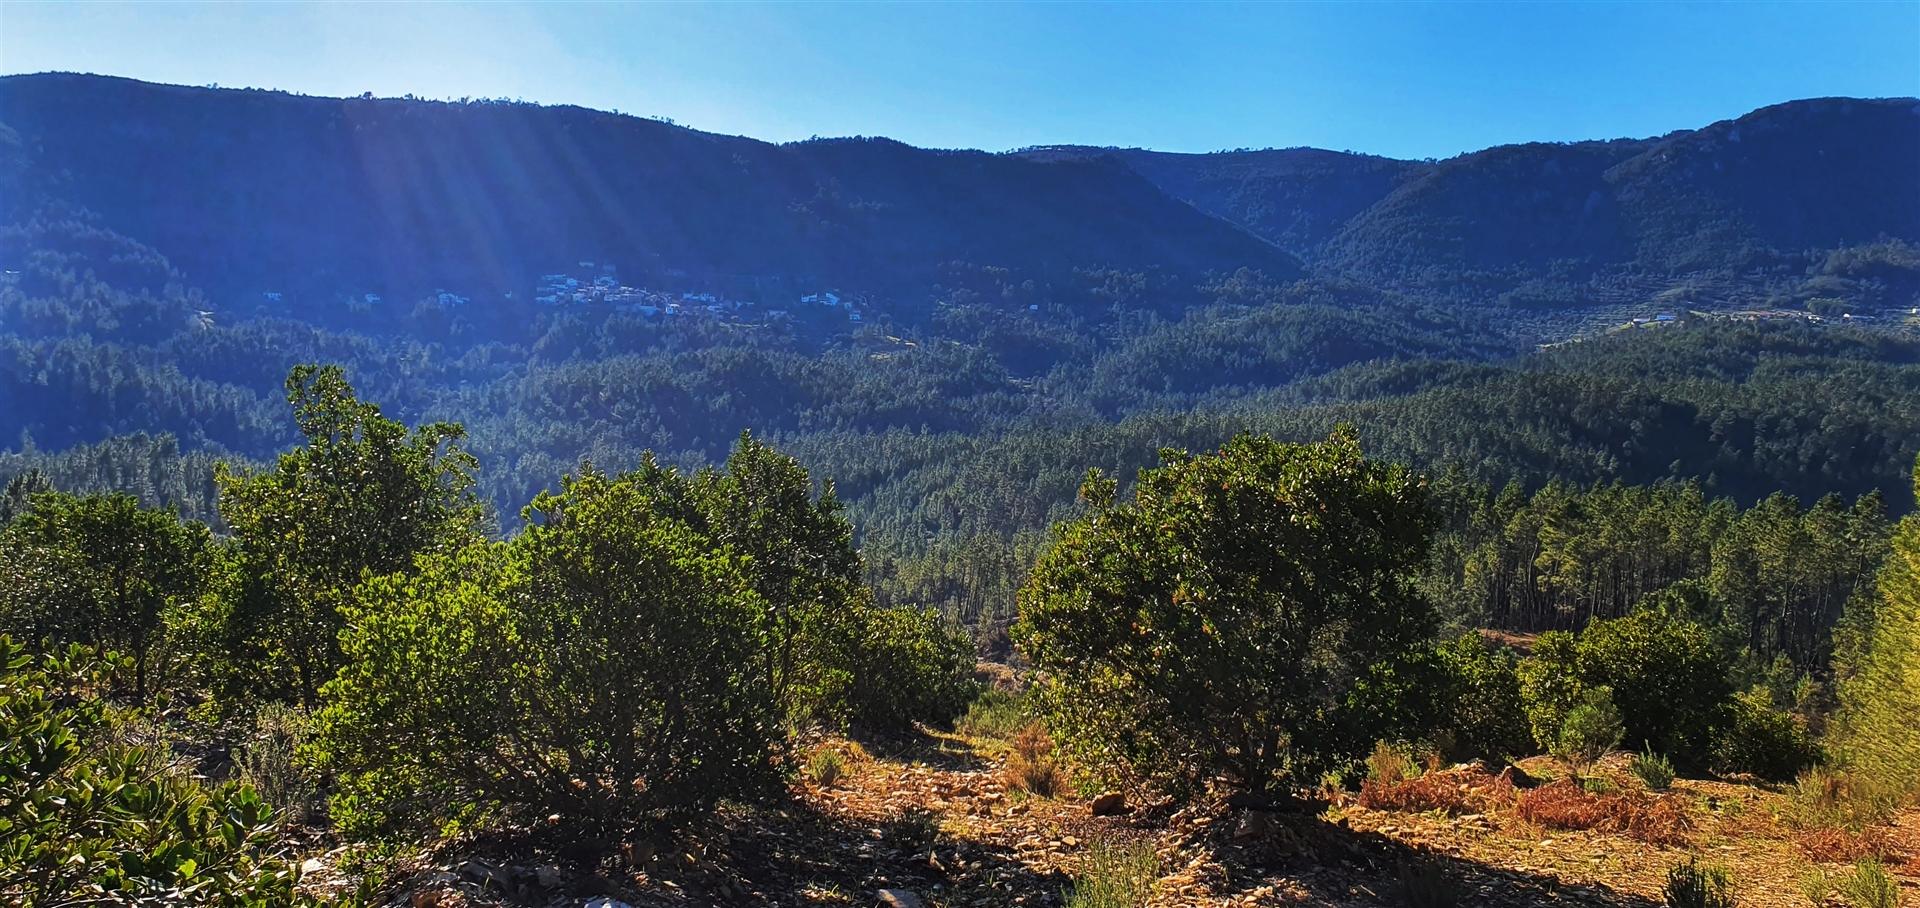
column 1839, row 845
column 1031, row 766
column 1453, row 792
column 1565, row 805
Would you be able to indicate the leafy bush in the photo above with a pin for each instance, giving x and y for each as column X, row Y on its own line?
column 880, row 669
column 364, row 494
column 269, row 762
column 1592, row 729
column 1653, row 770
column 1869, row 886
column 1824, row 799
column 1115, row 876
column 1691, row 885
column 100, row 570
column 1760, row 739
column 1216, row 624
column 995, row 714
column 91, row 822
column 604, row 665
column 1462, row 697
column 1669, row 682
column 825, row 766
column 834, row 657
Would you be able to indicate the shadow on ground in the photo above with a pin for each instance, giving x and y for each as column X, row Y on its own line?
column 1303, row 855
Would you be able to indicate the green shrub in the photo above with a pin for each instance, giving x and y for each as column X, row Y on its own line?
column 1691, row 885
column 364, row 494
column 1215, row 625
column 90, row 822
column 1869, row 886
column 605, row 665
column 1653, row 770
column 103, row 571
column 269, row 762
column 1760, row 739
column 880, row 669
column 825, row 766
column 995, row 714
column 1824, row 799
column 1115, row 876
column 1485, row 715
column 1462, row 696
column 834, row 657
column 1591, row 731
column 1669, row 681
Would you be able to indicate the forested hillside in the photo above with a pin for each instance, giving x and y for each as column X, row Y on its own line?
column 534, row 483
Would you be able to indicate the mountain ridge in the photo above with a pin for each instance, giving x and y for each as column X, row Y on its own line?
column 252, row 190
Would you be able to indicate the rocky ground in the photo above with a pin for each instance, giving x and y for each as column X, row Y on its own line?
column 935, row 823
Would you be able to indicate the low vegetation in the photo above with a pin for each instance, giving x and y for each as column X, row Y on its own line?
column 656, row 647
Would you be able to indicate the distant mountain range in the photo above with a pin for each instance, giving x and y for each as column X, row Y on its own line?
column 1752, row 192
column 246, row 190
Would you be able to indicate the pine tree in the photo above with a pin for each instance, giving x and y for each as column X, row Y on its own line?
column 1874, row 733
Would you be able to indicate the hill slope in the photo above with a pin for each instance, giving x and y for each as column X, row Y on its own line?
column 258, row 190
column 1756, row 192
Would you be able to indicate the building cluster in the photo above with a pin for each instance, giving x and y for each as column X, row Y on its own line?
column 597, row 284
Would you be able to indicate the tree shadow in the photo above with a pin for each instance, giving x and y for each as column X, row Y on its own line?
column 792, row 853
column 1339, row 866
column 929, row 747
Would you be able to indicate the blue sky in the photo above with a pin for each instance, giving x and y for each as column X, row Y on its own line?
column 1402, row 79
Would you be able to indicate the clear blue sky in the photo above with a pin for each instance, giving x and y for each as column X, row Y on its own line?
column 1402, row 79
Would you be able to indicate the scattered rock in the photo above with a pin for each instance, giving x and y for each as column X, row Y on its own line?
column 1254, row 824
column 604, row 902
column 488, row 875
column 899, row 898
column 311, row 865
column 1108, row 804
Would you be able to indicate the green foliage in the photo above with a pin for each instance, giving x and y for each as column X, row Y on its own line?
column 1873, row 734
column 269, row 761
column 1217, row 622
column 1653, row 770
column 1869, row 886
column 1825, row 799
column 1667, row 679
column 363, row 496
column 99, row 570
column 1114, row 875
column 1463, row 697
column 880, row 669
column 833, row 656
column 605, row 665
column 996, row 715
column 1760, row 739
column 825, row 766
column 1592, row 729
column 88, row 821
column 1692, row 885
